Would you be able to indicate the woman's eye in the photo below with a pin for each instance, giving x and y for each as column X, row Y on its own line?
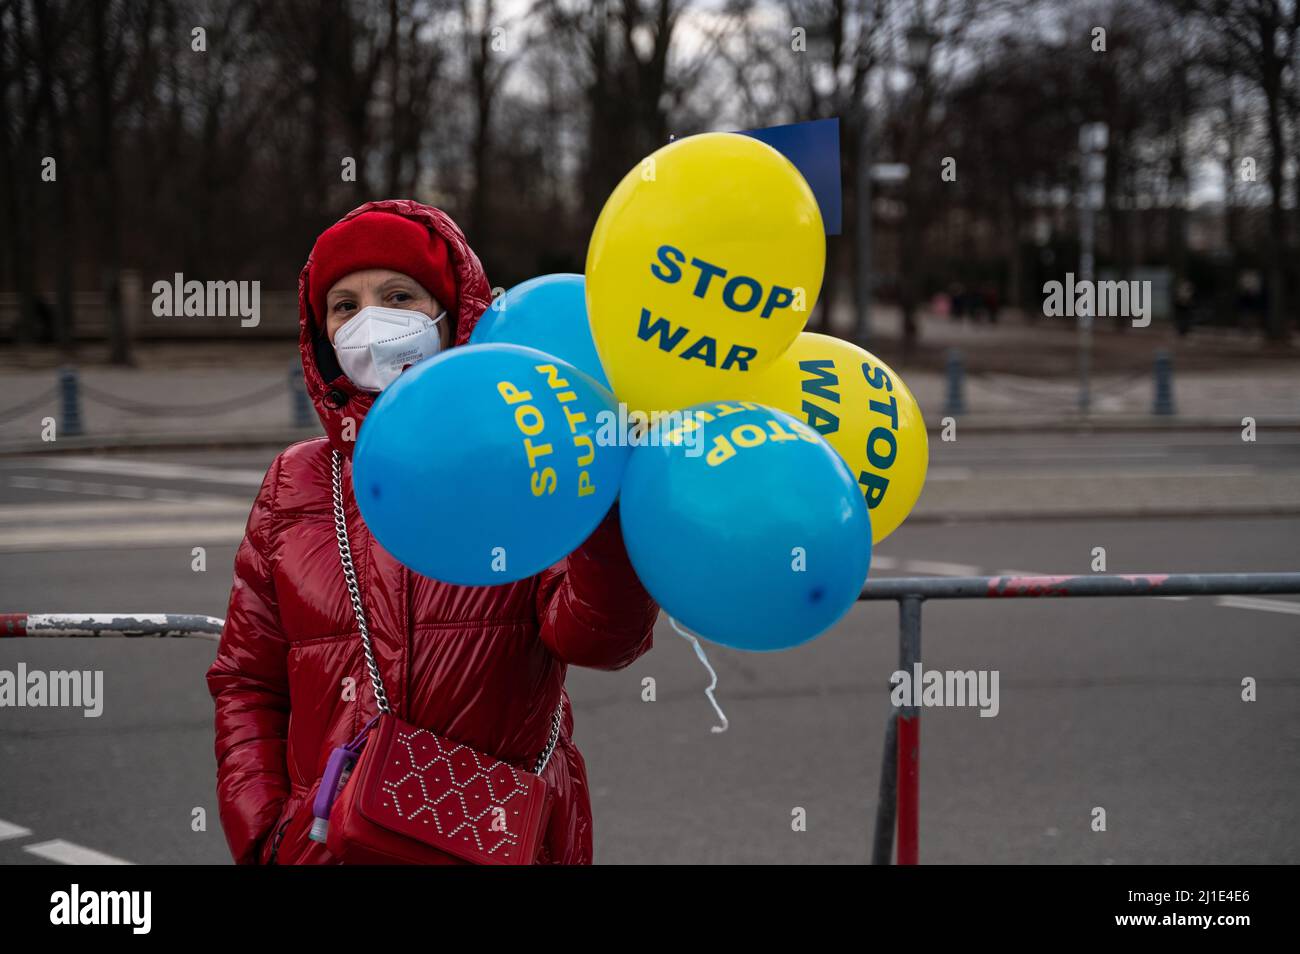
column 342, row 306
column 400, row 296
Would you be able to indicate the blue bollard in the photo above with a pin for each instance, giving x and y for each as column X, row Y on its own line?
column 955, row 402
column 70, row 402
column 1164, row 373
column 299, row 405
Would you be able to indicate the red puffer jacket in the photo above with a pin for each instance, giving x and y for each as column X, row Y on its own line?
column 482, row 665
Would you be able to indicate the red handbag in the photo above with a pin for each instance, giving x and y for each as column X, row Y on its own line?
column 399, row 794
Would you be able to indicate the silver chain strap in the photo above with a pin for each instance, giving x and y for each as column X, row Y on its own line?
column 354, row 591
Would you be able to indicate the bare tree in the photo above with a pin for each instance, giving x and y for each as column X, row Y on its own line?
column 1258, row 41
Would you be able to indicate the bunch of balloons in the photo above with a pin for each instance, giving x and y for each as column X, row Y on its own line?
column 753, row 462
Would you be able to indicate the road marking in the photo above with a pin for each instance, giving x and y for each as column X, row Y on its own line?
column 96, row 489
column 1093, row 473
column 155, row 469
column 9, row 830
column 1164, row 473
column 66, row 853
column 110, row 537
column 44, row 513
column 940, row 568
column 1061, row 455
column 883, row 563
column 1255, row 603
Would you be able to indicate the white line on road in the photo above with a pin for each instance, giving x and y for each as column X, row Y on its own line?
column 43, row 513
column 155, row 469
column 1060, row 454
column 66, row 853
column 1095, row 473
column 940, row 568
column 110, row 537
column 1255, row 603
column 9, row 830
column 96, row 489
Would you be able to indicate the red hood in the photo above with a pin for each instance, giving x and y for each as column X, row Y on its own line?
column 339, row 399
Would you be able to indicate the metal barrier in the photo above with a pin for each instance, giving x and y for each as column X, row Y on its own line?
column 899, row 798
column 898, row 803
column 110, row 624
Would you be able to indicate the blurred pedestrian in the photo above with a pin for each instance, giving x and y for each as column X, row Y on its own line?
column 1184, row 302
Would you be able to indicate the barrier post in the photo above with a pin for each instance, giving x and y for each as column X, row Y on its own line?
column 909, row 734
column 1164, row 399
column 882, row 845
column 69, row 402
column 900, row 764
column 955, row 400
column 298, row 402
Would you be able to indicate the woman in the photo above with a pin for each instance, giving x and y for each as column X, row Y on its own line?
column 390, row 283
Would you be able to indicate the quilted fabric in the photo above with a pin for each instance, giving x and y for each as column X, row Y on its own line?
column 482, row 665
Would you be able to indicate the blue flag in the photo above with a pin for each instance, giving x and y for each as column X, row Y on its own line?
column 814, row 148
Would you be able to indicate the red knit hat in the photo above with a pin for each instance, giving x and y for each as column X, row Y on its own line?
column 381, row 240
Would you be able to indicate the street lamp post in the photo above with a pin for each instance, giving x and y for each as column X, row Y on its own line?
column 862, row 191
column 1092, row 159
column 919, row 41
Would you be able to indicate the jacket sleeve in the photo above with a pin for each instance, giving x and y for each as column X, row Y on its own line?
column 592, row 608
column 249, row 683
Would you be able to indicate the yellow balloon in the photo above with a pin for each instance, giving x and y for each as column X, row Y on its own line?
column 703, row 267
column 863, row 408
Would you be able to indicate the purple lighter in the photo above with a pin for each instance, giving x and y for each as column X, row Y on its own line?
column 337, row 770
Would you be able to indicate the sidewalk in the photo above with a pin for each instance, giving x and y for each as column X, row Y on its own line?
column 252, row 404
column 183, row 396
column 1018, row 376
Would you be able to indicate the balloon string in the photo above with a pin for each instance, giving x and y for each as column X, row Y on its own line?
column 699, row 651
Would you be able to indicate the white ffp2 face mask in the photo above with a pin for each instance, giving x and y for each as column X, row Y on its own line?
column 377, row 344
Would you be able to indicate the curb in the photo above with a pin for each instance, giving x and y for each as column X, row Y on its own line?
column 283, row 437
column 164, row 441
column 1116, row 423
column 1139, row 512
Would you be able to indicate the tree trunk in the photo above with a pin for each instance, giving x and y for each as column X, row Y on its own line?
column 1277, row 325
column 106, row 185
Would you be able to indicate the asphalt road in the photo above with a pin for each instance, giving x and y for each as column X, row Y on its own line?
column 1130, row 705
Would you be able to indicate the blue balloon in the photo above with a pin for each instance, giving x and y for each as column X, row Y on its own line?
column 548, row 313
column 483, row 465
column 747, row 528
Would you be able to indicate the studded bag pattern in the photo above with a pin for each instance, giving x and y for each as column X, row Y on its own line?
column 437, row 790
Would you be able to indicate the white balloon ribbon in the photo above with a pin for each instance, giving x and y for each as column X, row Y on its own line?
column 699, row 651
